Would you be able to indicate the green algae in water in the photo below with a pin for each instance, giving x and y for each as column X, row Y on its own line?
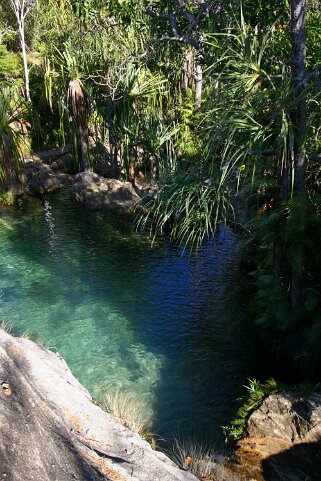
column 126, row 316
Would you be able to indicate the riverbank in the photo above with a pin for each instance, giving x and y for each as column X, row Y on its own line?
column 55, row 252
column 51, row 429
column 42, row 404
column 161, row 324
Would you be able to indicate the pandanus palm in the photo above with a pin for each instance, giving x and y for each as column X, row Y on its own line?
column 10, row 139
column 78, row 103
column 61, row 70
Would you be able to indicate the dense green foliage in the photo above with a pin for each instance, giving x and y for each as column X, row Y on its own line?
column 255, row 393
column 201, row 99
column 10, row 66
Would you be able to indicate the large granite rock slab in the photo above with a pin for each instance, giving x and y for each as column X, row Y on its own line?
column 288, row 416
column 97, row 193
column 50, row 430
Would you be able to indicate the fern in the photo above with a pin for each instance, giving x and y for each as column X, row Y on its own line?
column 256, row 392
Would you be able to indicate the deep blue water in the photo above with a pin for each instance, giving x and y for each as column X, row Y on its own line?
column 128, row 316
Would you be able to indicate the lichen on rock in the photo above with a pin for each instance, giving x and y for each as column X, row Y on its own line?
column 288, row 416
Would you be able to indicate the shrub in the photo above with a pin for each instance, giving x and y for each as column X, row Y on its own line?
column 203, row 462
column 11, row 67
column 255, row 395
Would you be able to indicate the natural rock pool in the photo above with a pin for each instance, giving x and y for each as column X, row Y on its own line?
column 125, row 315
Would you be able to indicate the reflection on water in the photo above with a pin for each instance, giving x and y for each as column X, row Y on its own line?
column 166, row 327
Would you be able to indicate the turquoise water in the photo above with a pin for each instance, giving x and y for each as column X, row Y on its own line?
column 129, row 316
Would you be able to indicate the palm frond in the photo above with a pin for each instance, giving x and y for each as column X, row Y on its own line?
column 11, row 116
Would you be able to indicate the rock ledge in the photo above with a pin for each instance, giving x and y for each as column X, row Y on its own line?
column 284, row 440
column 51, row 430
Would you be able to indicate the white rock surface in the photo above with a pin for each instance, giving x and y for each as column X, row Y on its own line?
column 50, row 430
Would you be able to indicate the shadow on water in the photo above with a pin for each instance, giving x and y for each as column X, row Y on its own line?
column 126, row 315
column 212, row 354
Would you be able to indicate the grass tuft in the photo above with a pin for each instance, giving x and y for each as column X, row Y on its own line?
column 7, row 198
column 203, row 462
column 128, row 410
column 6, row 326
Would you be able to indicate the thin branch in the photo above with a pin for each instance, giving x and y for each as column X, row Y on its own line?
column 103, row 82
column 312, row 74
column 26, row 12
column 166, row 16
column 168, row 38
column 194, row 23
column 189, row 17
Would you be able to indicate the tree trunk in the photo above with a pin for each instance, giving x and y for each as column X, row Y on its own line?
column 298, row 23
column 198, row 85
column 21, row 10
column 24, row 56
column 187, row 72
column 82, row 142
column 78, row 103
column 298, row 30
column 113, row 154
column 291, row 278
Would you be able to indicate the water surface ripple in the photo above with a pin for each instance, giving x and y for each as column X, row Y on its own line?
column 125, row 315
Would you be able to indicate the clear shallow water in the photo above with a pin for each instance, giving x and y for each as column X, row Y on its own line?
column 164, row 326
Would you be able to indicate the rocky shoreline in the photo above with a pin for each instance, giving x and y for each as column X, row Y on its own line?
column 283, row 440
column 51, row 429
column 46, row 172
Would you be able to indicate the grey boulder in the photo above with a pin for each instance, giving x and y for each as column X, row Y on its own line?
column 97, row 193
column 288, row 416
column 40, row 179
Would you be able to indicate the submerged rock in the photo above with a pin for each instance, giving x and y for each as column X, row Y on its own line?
column 51, row 430
column 98, row 193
